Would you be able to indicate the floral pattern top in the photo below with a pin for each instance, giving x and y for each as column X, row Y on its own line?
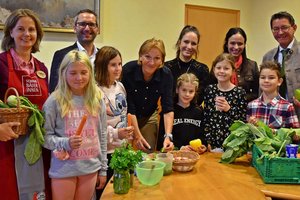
column 217, row 123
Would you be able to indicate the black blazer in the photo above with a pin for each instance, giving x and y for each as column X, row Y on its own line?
column 57, row 58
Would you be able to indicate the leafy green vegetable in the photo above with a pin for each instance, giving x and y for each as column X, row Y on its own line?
column 3, row 105
column 266, row 128
column 125, row 157
column 244, row 135
column 33, row 149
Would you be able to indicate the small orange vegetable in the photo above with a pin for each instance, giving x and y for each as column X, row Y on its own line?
column 80, row 127
column 129, row 119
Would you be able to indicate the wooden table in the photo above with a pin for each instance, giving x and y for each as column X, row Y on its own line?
column 209, row 180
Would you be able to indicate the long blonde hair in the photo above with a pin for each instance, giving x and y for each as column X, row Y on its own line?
column 63, row 93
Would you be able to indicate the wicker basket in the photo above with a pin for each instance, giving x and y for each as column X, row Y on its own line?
column 184, row 161
column 17, row 114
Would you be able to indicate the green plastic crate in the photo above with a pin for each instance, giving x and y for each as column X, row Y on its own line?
column 277, row 170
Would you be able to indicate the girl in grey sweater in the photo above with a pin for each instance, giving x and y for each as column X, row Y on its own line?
column 79, row 158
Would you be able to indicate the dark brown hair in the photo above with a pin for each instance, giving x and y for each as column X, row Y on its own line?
column 224, row 56
column 85, row 11
column 103, row 57
column 272, row 66
column 281, row 15
column 185, row 30
column 231, row 32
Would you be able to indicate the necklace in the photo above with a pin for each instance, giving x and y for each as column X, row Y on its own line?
column 225, row 88
column 184, row 64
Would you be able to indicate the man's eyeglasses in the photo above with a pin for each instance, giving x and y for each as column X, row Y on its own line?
column 282, row 28
column 84, row 24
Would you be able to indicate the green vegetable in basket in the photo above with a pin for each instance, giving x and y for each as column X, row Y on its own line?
column 33, row 149
column 243, row 135
column 3, row 105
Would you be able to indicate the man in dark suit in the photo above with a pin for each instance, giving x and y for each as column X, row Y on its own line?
column 86, row 29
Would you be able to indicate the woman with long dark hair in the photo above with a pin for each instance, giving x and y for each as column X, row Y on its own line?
column 246, row 72
column 185, row 61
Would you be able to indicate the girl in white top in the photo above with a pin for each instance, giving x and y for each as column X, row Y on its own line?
column 108, row 69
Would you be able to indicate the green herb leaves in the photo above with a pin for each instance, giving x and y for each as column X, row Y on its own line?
column 125, row 158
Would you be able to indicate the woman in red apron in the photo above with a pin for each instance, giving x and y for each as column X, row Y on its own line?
column 19, row 69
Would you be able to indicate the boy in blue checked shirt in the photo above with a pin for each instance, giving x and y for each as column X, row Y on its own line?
column 270, row 107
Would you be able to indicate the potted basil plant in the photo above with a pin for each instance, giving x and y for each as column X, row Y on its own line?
column 122, row 161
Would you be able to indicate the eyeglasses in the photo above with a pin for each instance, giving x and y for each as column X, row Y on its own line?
column 282, row 28
column 149, row 58
column 84, row 24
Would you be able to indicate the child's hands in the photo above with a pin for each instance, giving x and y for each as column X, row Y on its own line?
column 296, row 102
column 253, row 120
column 200, row 150
column 208, row 148
column 221, row 104
column 296, row 139
column 101, row 180
column 125, row 133
column 61, row 154
column 75, row 141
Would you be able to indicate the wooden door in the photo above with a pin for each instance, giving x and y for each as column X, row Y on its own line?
column 213, row 24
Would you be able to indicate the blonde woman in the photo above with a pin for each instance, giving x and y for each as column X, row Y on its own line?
column 146, row 81
column 78, row 161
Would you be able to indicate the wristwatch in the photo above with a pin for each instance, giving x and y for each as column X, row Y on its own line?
column 169, row 135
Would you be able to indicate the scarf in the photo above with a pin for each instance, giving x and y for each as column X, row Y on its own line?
column 234, row 78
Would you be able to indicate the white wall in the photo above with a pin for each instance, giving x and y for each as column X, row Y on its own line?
column 125, row 24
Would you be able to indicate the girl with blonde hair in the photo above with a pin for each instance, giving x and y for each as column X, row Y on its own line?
column 188, row 117
column 79, row 157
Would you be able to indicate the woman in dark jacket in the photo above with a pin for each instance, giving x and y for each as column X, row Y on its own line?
column 185, row 61
column 246, row 71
